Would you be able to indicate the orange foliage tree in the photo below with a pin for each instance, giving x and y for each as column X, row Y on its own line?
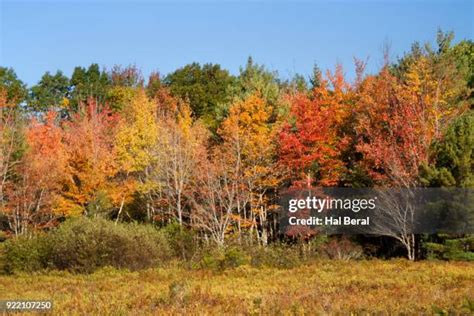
column 89, row 140
column 39, row 176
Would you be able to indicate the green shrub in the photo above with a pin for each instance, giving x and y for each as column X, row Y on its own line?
column 211, row 260
column 451, row 248
column 84, row 245
column 222, row 258
column 459, row 249
column 26, row 254
column 276, row 256
column 3, row 236
column 181, row 240
column 434, row 250
column 234, row 257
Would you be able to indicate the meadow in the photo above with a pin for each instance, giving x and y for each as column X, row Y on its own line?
column 323, row 286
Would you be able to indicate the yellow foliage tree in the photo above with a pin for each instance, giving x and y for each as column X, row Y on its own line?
column 249, row 147
column 137, row 135
column 135, row 143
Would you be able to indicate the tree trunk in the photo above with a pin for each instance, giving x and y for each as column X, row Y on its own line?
column 120, row 210
column 409, row 242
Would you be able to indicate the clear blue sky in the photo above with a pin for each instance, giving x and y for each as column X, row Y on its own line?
column 287, row 36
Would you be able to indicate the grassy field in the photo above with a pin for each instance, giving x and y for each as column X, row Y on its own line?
column 323, row 287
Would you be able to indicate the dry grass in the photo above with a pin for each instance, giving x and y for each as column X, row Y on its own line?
column 396, row 286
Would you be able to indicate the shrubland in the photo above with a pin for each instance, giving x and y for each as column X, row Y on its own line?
column 84, row 245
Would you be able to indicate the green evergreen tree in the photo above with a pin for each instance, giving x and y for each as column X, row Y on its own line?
column 52, row 91
column 15, row 88
column 206, row 88
column 454, row 156
column 89, row 83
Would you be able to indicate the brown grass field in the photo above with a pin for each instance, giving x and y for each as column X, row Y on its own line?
column 327, row 287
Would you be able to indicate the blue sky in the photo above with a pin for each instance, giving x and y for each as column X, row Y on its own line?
column 287, row 36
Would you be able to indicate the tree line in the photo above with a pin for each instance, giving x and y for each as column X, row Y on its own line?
column 211, row 151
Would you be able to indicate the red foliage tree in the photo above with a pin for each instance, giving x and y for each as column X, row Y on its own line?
column 397, row 123
column 310, row 140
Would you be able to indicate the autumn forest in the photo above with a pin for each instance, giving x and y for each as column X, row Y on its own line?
column 209, row 151
column 172, row 184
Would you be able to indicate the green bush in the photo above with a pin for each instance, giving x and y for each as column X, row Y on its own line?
column 459, row 249
column 451, row 248
column 434, row 250
column 276, row 256
column 234, row 257
column 181, row 240
column 222, row 258
column 3, row 236
column 210, row 259
column 84, row 245
column 26, row 254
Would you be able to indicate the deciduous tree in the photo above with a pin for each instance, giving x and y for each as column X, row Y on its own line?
column 249, row 147
column 39, row 177
column 11, row 143
column 181, row 143
column 310, row 140
column 89, row 140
